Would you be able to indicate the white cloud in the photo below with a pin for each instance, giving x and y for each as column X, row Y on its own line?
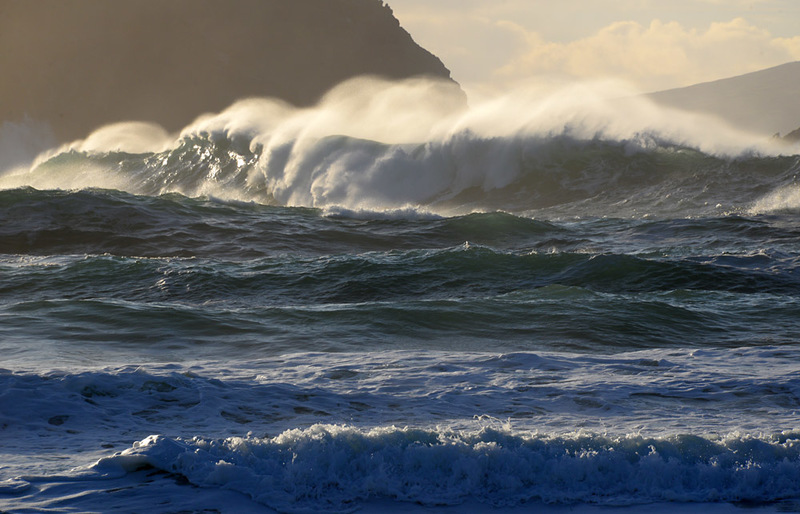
column 499, row 42
column 657, row 56
column 470, row 44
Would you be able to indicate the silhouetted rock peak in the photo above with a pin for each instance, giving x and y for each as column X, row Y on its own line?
column 82, row 64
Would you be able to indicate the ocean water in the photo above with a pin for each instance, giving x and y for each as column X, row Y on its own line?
column 552, row 300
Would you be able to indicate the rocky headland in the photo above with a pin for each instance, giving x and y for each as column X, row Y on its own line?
column 78, row 65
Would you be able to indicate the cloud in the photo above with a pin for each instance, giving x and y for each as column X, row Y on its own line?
column 493, row 44
column 655, row 56
column 472, row 45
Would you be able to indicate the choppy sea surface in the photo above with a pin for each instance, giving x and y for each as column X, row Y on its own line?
column 548, row 300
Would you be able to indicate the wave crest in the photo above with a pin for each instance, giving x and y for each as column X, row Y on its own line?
column 333, row 468
column 375, row 145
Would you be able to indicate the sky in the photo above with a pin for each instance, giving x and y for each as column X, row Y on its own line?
column 496, row 45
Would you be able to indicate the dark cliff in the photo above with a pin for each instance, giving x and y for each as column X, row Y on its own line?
column 79, row 64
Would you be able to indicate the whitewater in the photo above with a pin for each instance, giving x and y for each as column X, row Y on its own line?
column 563, row 299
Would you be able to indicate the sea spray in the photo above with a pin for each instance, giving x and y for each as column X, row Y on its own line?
column 333, row 468
column 382, row 145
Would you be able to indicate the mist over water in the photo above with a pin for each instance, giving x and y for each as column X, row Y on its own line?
column 376, row 145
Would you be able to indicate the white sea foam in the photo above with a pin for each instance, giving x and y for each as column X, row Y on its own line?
column 330, row 468
column 421, row 426
column 406, row 213
column 375, row 145
column 786, row 198
column 652, row 393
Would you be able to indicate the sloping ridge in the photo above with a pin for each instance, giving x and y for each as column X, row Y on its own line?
column 82, row 64
column 765, row 102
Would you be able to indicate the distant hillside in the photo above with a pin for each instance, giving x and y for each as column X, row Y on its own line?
column 793, row 136
column 766, row 101
column 79, row 64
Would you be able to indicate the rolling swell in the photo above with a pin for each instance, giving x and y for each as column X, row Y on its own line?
column 106, row 221
column 97, row 221
column 458, row 272
column 177, row 272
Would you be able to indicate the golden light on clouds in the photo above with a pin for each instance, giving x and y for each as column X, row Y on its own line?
column 653, row 46
column 653, row 56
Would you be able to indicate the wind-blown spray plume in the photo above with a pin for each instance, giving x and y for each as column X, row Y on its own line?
column 376, row 145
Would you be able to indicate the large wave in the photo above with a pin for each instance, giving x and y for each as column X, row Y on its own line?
column 375, row 145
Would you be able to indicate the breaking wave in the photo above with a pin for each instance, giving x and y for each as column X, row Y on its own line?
column 372, row 145
column 334, row 468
